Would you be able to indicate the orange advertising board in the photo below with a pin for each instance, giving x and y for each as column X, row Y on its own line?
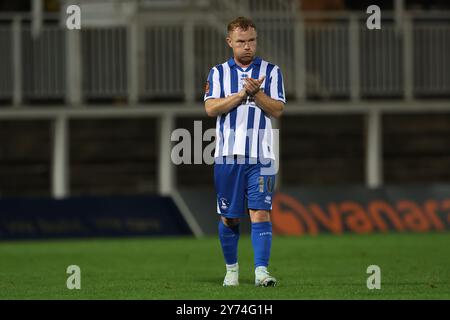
column 306, row 211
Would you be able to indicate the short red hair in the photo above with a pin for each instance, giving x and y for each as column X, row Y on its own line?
column 241, row 22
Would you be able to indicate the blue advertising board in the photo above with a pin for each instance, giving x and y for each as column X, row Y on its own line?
column 90, row 217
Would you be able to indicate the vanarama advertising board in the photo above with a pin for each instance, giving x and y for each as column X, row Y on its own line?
column 300, row 211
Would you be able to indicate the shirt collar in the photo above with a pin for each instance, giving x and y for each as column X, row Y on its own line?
column 232, row 63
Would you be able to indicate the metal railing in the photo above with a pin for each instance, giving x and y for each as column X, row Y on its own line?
column 6, row 71
column 431, row 58
column 43, row 63
column 104, row 59
column 163, row 65
column 321, row 56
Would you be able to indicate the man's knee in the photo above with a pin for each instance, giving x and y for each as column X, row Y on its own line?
column 230, row 222
column 259, row 215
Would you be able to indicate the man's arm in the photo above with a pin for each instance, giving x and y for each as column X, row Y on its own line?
column 270, row 106
column 217, row 106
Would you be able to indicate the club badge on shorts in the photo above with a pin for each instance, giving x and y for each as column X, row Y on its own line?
column 207, row 87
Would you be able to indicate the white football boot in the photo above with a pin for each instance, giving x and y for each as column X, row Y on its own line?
column 232, row 276
column 263, row 278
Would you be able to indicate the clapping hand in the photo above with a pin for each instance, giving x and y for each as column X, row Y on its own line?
column 252, row 85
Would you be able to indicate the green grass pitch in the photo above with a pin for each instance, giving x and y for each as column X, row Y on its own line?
column 413, row 266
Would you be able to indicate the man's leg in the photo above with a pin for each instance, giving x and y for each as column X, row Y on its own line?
column 229, row 238
column 261, row 237
column 230, row 188
column 262, row 243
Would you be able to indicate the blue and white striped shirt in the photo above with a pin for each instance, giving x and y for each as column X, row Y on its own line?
column 245, row 130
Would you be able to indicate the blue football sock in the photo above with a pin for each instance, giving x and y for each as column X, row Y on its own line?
column 229, row 238
column 262, row 242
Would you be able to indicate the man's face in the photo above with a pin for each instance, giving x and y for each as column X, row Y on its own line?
column 243, row 44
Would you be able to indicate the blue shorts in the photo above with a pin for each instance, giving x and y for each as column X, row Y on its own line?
column 242, row 185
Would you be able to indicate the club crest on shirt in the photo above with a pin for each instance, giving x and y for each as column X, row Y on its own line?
column 207, row 87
